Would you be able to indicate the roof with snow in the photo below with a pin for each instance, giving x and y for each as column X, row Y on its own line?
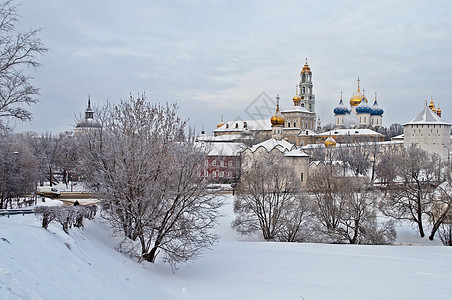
column 296, row 153
column 241, row 125
column 270, row 144
column 427, row 116
column 350, row 132
column 296, row 109
column 222, row 148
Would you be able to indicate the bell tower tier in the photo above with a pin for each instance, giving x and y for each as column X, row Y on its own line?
column 306, row 91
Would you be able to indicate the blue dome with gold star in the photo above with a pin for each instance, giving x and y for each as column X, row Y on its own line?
column 376, row 109
column 341, row 109
column 363, row 107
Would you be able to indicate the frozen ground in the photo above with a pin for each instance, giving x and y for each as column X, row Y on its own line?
column 48, row 264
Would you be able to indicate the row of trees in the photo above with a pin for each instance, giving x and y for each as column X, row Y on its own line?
column 355, row 195
column 29, row 159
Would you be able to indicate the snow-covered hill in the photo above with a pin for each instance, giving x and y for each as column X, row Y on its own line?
column 48, row 264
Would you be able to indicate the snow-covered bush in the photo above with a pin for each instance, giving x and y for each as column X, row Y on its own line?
column 66, row 216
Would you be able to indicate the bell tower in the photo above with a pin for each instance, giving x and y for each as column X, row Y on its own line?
column 306, row 91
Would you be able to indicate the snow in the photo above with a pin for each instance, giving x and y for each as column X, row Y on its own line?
column 427, row 116
column 270, row 144
column 48, row 264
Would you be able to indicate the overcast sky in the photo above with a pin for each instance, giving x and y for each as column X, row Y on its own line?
column 216, row 57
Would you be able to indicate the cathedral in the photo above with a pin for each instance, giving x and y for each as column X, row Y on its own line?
column 360, row 114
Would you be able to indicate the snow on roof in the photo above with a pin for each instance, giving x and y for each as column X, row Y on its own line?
column 296, row 109
column 222, row 148
column 427, row 116
column 306, row 132
column 220, row 138
column 398, row 137
column 240, row 125
column 296, row 153
column 270, row 144
column 358, row 131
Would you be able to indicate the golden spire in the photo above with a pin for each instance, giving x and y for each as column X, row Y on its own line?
column 438, row 111
column 432, row 105
column 296, row 99
column 221, row 122
column 358, row 86
column 277, row 118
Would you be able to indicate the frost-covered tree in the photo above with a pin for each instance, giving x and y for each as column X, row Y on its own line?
column 411, row 193
column 18, row 51
column 18, row 169
column 269, row 199
column 147, row 177
column 345, row 208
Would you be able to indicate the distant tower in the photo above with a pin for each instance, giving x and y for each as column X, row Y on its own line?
column 277, row 121
column 306, row 92
column 429, row 132
column 89, row 122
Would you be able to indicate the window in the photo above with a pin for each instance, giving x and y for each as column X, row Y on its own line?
column 214, row 174
column 236, row 125
column 221, row 174
column 245, row 125
column 221, row 163
column 230, row 163
column 214, row 162
column 294, row 124
column 302, row 177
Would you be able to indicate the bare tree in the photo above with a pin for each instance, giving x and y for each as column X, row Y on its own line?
column 18, row 169
column 18, row 51
column 394, row 130
column 441, row 209
column 66, row 156
column 346, row 208
column 149, row 181
column 411, row 193
column 268, row 199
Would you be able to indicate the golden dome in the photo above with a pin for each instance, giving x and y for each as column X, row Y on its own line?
column 330, row 142
column 306, row 69
column 296, row 99
column 357, row 97
column 277, row 118
column 221, row 122
column 432, row 105
column 438, row 111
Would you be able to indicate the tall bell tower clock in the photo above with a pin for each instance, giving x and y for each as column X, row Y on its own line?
column 307, row 97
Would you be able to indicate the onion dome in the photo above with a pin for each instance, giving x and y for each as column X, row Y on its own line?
column 376, row 109
column 357, row 97
column 306, row 69
column 432, row 105
column 277, row 118
column 438, row 111
column 221, row 122
column 363, row 107
column 341, row 109
column 330, row 142
column 296, row 99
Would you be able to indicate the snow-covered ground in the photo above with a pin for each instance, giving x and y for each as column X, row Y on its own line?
column 48, row 264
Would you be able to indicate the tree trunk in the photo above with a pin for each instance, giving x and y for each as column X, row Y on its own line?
column 421, row 228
